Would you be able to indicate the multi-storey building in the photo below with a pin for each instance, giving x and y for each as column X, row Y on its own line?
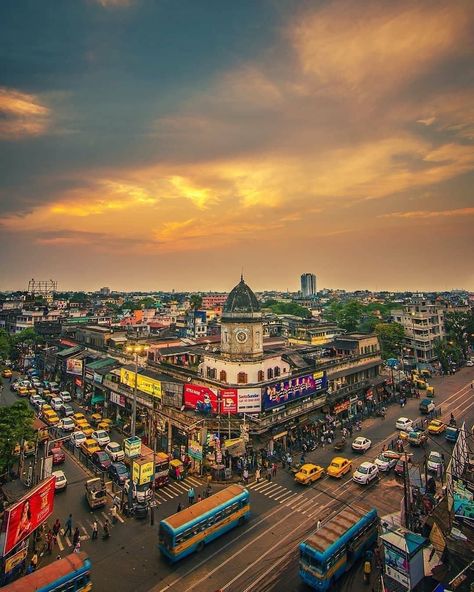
column 308, row 285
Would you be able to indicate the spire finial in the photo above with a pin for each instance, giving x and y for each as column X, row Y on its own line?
column 242, row 275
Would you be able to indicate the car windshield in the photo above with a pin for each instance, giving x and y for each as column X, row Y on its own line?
column 335, row 465
column 102, row 434
column 102, row 456
column 114, row 447
column 121, row 469
column 363, row 470
column 435, row 457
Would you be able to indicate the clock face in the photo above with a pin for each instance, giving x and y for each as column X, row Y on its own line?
column 241, row 336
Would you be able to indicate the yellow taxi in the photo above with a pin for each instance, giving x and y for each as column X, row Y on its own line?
column 309, row 473
column 339, row 466
column 31, row 392
column 436, row 426
column 104, row 425
column 47, row 395
column 87, row 430
column 403, row 435
column 51, row 417
column 108, row 421
column 89, row 446
column 46, row 407
column 22, row 391
column 78, row 417
column 96, row 418
column 7, row 373
column 81, row 423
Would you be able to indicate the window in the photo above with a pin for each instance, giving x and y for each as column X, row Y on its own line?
column 269, row 373
column 261, row 376
column 276, row 371
column 242, row 378
column 223, row 376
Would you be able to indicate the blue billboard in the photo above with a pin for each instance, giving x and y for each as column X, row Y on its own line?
column 293, row 389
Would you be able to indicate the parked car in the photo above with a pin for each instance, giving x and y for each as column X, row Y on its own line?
column 114, row 450
column 56, row 403
column 101, row 459
column 403, row 423
column 66, row 411
column 34, row 398
column 58, row 455
column 50, row 417
column 339, row 466
column 118, row 472
column 435, row 459
column 38, row 403
column 89, row 446
column 309, row 473
column 65, row 396
column 61, row 482
column 101, row 437
column 361, row 444
column 387, row 460
column 67, row 425
column 436, row 427
column 54, row 387
column 77, row 438
column 87, row 429
column 366, row 473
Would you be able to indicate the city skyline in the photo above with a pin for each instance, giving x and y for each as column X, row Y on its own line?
column 150, row 146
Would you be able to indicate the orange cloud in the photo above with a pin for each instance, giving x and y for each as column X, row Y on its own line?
column 22, row 115
column 426, row 214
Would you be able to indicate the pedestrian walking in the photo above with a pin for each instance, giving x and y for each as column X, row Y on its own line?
column 269, row 474
column 274, row 470
column 191, row 496
column 68, row 529
column 113, row 513
column 77, row 548
column 179, row 508
column 56, row 527
column 49, row 542
column 76, row 537
column 318, row 525
column 106, row 534
column 95, row 530
column 257, row 474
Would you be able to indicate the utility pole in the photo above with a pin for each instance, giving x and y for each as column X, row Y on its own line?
column 406, row 487
column 153, row 482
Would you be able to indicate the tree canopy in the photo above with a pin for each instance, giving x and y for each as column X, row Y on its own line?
column 354, row 316
column 460, row 329
column 5, row 344
column 391, row 337
column 16, row 425
column 289, row 308
column 448, row 353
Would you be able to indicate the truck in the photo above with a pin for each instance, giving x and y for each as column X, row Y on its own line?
column 426, row 406
column 451, row 434
column 417, row 437
column 96, row 493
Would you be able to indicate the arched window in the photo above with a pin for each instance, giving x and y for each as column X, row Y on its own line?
column 269, row 373
column 261, row 376
column 242, row 378
column 223, row 376
column 276, row 371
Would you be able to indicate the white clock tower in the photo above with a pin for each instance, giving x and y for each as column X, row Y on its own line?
column 242, row 328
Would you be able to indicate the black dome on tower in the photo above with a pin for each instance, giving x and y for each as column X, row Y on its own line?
column 241, row 300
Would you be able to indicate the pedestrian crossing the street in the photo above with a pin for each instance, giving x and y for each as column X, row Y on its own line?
column 175, row 489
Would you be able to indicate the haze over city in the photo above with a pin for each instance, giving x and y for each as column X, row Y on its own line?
column 159, row 145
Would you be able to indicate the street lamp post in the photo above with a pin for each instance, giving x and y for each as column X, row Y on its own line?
column 136, row 350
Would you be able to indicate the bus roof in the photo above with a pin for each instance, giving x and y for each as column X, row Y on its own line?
column 206, row 505
column 46, row 575
column 339, row 524
column 38, row 424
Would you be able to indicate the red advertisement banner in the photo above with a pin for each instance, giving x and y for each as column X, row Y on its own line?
column 206, row 400
column 27, row 514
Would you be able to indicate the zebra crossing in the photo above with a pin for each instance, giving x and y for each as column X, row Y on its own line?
column 175, row 489
column 296, row 500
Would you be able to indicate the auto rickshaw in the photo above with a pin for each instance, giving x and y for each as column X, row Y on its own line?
column 176, row 469
column 430, row 391
column 96, row 418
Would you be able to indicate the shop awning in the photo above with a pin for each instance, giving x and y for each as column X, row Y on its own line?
column 97, row 398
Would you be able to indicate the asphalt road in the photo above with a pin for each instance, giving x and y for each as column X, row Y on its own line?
column 261, row 555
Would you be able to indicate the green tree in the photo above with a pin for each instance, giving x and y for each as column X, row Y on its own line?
column 5, row 344
column 147, row 302
column 391, row 337
column 289, row 308
column 16, row 425
column 448, row 353
column 196, row 301
column 460, row 328
column 27, row 337
column 350, row 316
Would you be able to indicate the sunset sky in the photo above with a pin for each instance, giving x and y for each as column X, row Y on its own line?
column 159, row 144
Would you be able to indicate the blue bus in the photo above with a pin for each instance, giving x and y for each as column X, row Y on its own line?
column 196, row 526
column 71, row 574
column 333, row 549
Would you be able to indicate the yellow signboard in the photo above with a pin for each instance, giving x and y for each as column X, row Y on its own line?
column 142, row 471
column 144, row 383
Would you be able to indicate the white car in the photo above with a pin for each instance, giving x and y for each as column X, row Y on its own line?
column 387, row 460
column 361, row 444
column 67, row 424
column 65, row 396
column 114, row 450
column 36, row 383
column 366, row 473
column 38, row 403
column 435, row 459
column 142, row 493
column 61, row 481
column 34, row 399
column 77, row 438
column 404, row 424
column 469, row 363
column 56, row 403
column 101, row 437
